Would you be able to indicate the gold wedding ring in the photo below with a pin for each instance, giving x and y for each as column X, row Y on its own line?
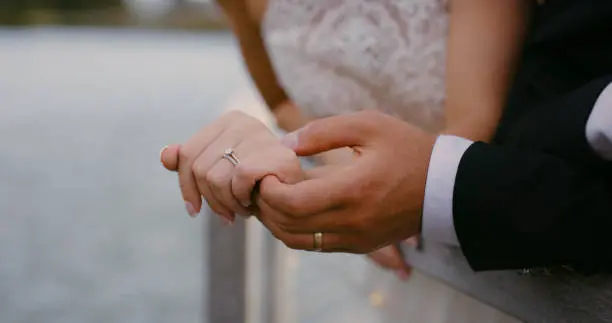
column 230, row 155
column 318, row 242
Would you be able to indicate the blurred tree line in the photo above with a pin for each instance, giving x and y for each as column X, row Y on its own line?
column 23, row 5
column 16, row 12
column 184, row 14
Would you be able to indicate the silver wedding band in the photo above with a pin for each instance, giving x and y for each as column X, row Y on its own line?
column 318, row 242
column 230, row 155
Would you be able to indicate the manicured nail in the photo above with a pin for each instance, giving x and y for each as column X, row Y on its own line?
column 228, row 222
column 161, row 151
column 227, row 217
column 402, row 274
column 191, row 210
column 290, row 140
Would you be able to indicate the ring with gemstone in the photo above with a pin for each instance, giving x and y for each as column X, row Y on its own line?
column 230, row 155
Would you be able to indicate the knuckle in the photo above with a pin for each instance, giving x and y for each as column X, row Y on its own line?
column 198, row 170
column 356, row 224
column 355, row 193
column 185, row 153
column 289, row 170
column 367, row 186
column 282, row 223
column 293, row 203
column 371, row 120
column 242, row 172
column 213, row 178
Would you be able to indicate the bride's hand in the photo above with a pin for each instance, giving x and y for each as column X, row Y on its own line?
column 392, row 258
column 203, row 172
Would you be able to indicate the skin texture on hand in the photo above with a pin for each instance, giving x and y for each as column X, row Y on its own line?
column 228, row 188
column 355, row 153
column 390, row 257
column 375, row 200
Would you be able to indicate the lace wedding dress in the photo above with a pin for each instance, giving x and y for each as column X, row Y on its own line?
column 340, row 56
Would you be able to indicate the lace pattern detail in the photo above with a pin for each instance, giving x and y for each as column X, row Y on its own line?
column 340, row 56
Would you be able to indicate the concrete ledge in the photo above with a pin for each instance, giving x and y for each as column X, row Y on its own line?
column 556, row 298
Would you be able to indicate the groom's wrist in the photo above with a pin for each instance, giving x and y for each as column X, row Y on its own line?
column 437, row 219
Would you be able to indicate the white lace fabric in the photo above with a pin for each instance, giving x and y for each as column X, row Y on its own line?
column 340, row 56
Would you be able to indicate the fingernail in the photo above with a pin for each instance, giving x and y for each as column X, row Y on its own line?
column 226, row 217
column 290, row 140
column 161, row 151
column 191, row 210
column 402, row 274
column 227, row 222
column 246, row 204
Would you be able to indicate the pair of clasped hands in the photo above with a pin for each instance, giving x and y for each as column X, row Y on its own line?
column 372, row 201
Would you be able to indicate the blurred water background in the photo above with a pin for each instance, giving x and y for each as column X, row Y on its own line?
column 91, row 228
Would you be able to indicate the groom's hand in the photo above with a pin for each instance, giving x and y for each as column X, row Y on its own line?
column 373, row 201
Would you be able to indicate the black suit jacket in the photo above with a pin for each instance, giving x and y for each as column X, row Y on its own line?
column 539, row 195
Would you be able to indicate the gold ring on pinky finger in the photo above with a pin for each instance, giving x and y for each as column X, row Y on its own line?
column 318, row 242
column 230, row 155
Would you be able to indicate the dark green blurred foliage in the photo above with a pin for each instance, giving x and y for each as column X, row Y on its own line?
column 16, row 12
column 22, row 5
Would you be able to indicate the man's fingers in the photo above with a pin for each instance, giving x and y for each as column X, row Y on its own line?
column 322, row 171
column 332, row 242
column 277, row 161
column 350, row 130
column 307, row 197
column 169, row 156
column 332, row 221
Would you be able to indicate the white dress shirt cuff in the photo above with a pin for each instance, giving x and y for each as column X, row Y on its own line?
column 599, row 125
column 437, row 221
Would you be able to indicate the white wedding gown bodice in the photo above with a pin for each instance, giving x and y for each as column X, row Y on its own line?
column 339, row 56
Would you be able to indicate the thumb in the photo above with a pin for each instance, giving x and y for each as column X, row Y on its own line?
column 330, row 133
column 169, row 156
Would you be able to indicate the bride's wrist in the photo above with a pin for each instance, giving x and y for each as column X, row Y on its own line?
column 288, row 117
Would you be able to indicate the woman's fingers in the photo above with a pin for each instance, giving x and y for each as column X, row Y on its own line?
column 219, row 180
column 275, row 160
column 205, row 178
column 203, row 172
column 392, row 258
column 214, row 173
column 191, row 151
column 169, row 157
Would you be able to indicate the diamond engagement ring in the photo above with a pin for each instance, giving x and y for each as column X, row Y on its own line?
column 230, row 155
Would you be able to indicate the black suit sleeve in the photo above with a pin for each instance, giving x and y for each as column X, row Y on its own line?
column 541, row 199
